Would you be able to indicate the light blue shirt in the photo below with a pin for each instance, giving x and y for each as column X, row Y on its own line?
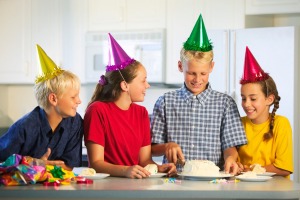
column 203, row 125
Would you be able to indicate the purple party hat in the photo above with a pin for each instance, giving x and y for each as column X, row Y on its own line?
column 118, row 58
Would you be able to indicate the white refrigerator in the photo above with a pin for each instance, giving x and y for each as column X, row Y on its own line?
column 277, row 50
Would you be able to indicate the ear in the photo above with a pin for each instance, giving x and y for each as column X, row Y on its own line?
column 180, row 67
column 212, row 66
column 270, row 99
column 124, row 86
column 52, row 98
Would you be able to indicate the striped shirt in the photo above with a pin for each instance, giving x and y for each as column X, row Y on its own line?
column 203, row 125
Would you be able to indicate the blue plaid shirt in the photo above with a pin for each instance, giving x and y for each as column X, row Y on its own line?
column 203, row 125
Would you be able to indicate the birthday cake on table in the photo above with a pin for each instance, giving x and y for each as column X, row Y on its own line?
column 200, row 168
column 257, row 168
column 152, row 168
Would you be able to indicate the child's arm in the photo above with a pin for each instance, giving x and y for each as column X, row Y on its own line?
column 171, row 150
column 96, row 161
column 146, row 158
column 278, row 171
column 230, row 158
column 54, row 162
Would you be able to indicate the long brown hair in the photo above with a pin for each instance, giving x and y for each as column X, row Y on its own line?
column 269, row 88
column 111, row 91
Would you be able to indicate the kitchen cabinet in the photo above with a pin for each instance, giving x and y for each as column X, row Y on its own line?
column 15, row 42
column 26, row 23
column 258, row 7
column 74, row 28
column 114, row 15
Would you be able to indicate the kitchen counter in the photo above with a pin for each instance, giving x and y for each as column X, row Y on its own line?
column 157, row 188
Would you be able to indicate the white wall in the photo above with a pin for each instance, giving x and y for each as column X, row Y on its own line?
column 20, row 100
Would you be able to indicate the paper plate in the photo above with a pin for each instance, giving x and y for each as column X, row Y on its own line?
column 157, row 175
column 266, row 174
column 97, row 176
column 205, row 178
column 263, row 174
column 254, row 179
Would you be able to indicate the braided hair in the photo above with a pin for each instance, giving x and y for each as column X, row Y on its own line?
column 269, row 88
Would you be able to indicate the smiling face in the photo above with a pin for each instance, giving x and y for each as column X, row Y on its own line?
column 68, row 102
column 196, row 74
column 255, row 104
column 139, row 85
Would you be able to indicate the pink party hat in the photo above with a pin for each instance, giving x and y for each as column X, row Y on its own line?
column 252, row 71
column 118, row 59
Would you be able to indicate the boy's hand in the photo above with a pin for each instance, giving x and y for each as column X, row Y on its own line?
column 174, row 153
column 53, row 162
column 240, row 167
column 169, row 168
column 231, row 166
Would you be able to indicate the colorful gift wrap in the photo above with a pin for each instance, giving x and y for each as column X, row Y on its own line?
column 85, row 181
column 18, row 170
column 55, row 183
column 10, row 163
column 58, row 173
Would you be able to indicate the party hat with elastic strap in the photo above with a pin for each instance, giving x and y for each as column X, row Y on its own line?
column 48, row 69
column 118, row 58
column 198, row 40
column 252, row 71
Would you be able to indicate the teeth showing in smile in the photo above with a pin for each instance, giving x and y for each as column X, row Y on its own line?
column 250, row 111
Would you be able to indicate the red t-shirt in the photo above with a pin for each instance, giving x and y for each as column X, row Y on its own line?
column 122, row 133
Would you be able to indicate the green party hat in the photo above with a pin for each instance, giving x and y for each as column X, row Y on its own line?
column 48, row 69
column 198, row 40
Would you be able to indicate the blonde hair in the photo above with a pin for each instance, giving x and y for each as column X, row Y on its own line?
column 56, row 85
column 205, row 57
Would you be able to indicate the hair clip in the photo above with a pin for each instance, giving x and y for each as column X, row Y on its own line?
column 102, row 80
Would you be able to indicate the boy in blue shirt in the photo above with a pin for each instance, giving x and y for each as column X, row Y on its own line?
column 53, row 131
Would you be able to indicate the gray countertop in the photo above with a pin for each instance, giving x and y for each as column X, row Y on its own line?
column 157, row 188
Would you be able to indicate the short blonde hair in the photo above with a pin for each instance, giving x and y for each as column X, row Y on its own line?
column 56, row 85
column 186, row 55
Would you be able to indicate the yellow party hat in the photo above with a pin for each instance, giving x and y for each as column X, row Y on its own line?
column 48, row 69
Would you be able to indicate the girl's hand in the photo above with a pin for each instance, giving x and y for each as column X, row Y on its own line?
column 136, row 171
column 247, row 168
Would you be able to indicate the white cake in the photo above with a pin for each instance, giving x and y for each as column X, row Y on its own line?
column 88, row 172
column 152, row 168
column 258, row 169
column 200, row 168
column 248, row 174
